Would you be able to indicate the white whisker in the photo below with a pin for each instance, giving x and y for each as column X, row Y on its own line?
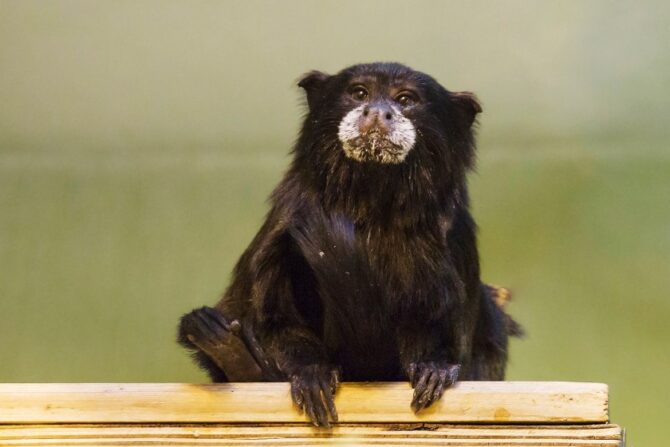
column 394, row 147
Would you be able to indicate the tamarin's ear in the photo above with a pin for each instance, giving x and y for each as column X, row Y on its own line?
column 467, row 106
column 312, row 83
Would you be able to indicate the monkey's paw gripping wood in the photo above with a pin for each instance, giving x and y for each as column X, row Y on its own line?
column 520, row 414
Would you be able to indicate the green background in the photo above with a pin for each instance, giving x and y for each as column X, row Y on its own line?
column 139, row 141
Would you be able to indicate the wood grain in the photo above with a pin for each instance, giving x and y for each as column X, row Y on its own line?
column 467, row 402
column 300, row 435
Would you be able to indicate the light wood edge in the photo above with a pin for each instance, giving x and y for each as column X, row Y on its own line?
column 295, row 435
column 477, row 402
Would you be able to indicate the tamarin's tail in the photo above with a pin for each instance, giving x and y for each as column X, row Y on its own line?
column 501, row 296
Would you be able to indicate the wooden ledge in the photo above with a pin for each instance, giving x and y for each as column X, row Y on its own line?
column 601, row 435
column 262, row 403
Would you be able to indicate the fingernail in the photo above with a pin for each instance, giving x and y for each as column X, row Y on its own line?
column 235, row 327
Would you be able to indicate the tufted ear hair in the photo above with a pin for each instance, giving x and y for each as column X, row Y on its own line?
column 467, row 106
column 312, row 83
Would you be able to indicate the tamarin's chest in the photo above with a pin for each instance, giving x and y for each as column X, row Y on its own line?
column 367, row 303
column 406, row 262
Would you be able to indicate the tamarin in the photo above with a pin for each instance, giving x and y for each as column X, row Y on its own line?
column 366, row 267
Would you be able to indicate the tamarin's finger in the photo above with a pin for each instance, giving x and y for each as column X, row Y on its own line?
column 424, row 399
column 420, row 388
column 213, row 322
column 308, row 406
column 296, row 395
column 454, row 371
column 328, row 399
column 439, row 390
column 411, row 372
column 334, row 380
column 318, row 405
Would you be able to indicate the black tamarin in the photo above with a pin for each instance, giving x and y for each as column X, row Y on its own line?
column 366, row 267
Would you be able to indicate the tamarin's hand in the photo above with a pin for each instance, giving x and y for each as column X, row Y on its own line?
column 313, row 388
column 207, row 330
column 429, row 380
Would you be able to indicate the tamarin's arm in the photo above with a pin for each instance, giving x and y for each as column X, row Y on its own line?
column 282, row 331
column 436, row 342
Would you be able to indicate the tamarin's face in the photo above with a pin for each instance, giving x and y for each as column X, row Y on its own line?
column 378, row 125
column 380, row 113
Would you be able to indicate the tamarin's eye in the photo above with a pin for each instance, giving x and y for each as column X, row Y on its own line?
column 406, row 99
column 359, row 93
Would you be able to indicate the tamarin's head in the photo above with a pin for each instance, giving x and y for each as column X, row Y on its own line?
column 386, row 114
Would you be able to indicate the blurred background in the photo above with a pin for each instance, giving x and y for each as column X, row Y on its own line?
column 139, row 141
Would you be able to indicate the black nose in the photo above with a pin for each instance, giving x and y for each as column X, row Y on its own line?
column 377, row 115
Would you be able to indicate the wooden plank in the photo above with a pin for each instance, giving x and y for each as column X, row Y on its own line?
column 479, row 402
column 299, row 435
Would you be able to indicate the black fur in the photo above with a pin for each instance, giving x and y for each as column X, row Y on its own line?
column 367, row 270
